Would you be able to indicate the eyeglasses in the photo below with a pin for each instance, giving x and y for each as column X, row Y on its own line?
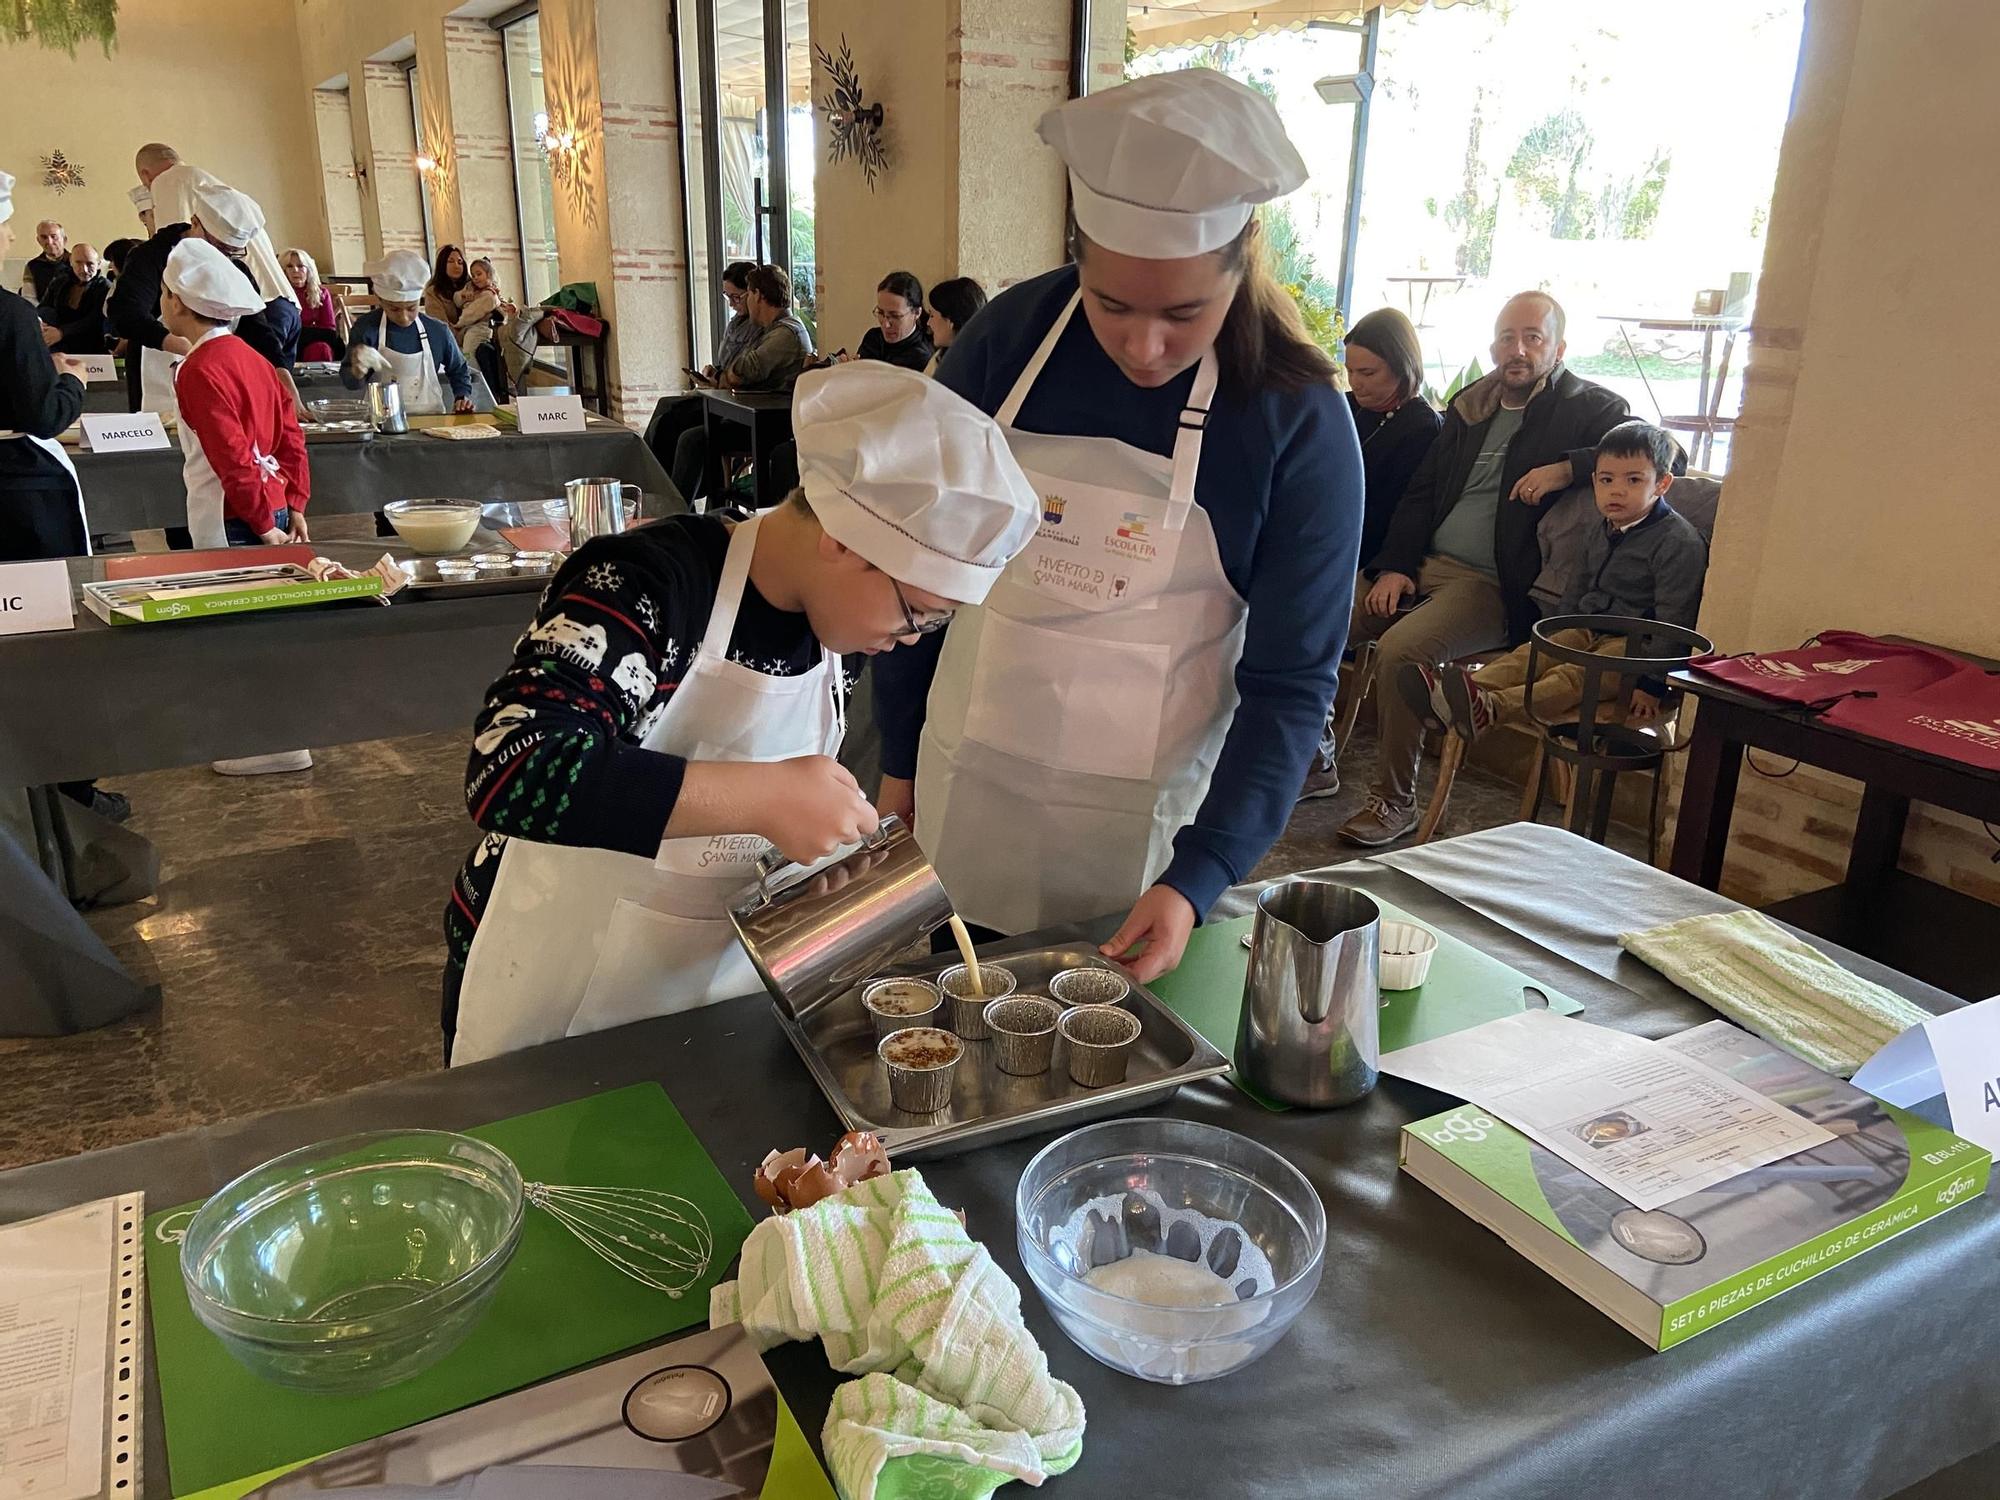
column 894, row 317
column 916, row 626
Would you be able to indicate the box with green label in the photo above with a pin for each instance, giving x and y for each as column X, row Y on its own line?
column 223, row 591
column 1672, row 1272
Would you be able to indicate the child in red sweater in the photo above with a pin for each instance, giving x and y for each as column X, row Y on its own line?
column 245, row 466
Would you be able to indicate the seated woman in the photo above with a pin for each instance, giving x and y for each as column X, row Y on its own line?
column 899, row 336
column 953, row 304
column 320, row 311
column 448, row 279
column 72, row 310
column 493, row 330
column 407, row 346
column 773, row 363
column 675, row 414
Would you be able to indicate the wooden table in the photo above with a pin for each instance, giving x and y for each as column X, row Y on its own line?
column 767, row 416
column 1918, row 926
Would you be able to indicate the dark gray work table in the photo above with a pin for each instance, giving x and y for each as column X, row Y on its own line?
column 1433, row 1361
column 358, row 473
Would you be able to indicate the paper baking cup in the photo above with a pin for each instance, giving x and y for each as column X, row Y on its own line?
column 888, row 1021
column 1090, row 986
column 967, row 1011
column 1100, row 1039
column 1023, row 1033
column 920, row 1090
column 1407, row 951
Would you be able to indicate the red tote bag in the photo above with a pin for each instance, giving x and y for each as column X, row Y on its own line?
column 1838, row 665
column 1957, row 718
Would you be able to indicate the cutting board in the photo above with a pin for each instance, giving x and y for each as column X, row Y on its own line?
column 1464, row 988
column 558, row 1306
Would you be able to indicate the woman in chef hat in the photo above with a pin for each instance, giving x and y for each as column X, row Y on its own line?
column 1127, row 718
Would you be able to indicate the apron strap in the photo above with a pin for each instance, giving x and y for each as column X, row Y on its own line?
column 1187, row 442
column 1011, row 407
column 729, row 589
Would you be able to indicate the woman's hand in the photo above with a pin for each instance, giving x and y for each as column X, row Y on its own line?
column 1159, row 927
column 1388, row 594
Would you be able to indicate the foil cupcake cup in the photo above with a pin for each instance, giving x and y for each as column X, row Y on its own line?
column 921, row 1061
column 1090, row 986
column 1100, row 1039
column 967, row 1011
column 1023, row 1033
column 919, row 999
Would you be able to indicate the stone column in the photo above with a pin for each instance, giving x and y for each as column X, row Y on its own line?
column 333, row 117
column 392, row 172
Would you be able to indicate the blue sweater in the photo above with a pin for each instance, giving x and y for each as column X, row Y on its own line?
column 452, row 368
column 1280, row 480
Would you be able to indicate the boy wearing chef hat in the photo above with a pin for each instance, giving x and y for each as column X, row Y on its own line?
column 399, row 342
column 674, row 710
column 1126, row 723
column 245, row 457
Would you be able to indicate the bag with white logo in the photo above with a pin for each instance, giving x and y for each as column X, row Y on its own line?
column 1835, row 666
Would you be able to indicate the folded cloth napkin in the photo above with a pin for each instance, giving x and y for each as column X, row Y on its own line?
column 1759, row 975
column 955, row 1397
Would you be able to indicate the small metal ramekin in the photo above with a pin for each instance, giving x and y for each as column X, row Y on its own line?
column 967, row 1010
column 1100, row 1039
column 925, row 1089
column 1089, row 986
column 1023, row 1031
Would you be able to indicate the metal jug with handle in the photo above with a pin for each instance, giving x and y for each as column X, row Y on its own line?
column 385, row 406
column 820, row 934
column 1310, row 1029
column 597, row 508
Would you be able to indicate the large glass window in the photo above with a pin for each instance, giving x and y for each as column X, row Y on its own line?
column 534, row 186
column 424, row 161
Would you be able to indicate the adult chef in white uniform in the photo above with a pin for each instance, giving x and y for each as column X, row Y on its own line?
column 1126, row 719
column 397, row 341
column 673, row 711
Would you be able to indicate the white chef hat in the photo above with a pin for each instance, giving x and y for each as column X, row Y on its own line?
column 912, row 476
column 232, row 217
column 6, row 196
column 1171, row 165
column 209, row 282
column 400, row 276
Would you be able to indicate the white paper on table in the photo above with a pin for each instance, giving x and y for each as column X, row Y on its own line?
column 1645, row 1121
column 1956, row 1054
column 56, row 1277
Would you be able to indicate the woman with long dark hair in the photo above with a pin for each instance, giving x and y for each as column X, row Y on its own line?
column 1126, row 718
column 953, row 305
column 449, row 277
column 900, row 335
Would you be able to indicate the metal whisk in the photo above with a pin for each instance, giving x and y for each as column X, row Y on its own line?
column 655, row 1237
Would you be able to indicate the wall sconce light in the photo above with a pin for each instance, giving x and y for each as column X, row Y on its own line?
column 359, row 172
column 426, row 162
column 854, row 127
column 558, row 143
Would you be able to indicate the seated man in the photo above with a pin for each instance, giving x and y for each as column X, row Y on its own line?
column 72, row 310
column 1463, row 535
column 40, row 273
column 675, row 415
column 772, row 363
column 1642, row 560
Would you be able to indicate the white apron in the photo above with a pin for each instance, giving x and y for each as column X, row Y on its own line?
column 1076, row 717
column 157, row 369
column 55, row 450
column 416, row 374
column 575, row 940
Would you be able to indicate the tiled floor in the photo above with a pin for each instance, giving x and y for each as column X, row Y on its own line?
column 296, row 941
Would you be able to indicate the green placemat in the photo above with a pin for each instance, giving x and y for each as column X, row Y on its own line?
column 1464, row 988
column 558, row 1306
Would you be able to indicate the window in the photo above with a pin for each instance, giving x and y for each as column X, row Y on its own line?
column 422, row 162
column 534, row 186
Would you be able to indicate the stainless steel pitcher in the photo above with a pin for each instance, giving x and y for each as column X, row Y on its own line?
column 385, row 406
column 1309, row 1031
column 597, row 508
column 831, row 928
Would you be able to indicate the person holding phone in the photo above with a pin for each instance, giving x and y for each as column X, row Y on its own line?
column 774, row 362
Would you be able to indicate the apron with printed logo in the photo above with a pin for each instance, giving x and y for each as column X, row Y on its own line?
column 574, row 940
column 1076, row 716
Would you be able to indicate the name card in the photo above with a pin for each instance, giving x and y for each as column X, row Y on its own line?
column 104, row 433
column 98, row 367
column 35, row 596
column 1956, row 1054
column 549, row 413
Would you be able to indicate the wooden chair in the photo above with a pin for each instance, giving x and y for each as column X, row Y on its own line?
column 575, row 346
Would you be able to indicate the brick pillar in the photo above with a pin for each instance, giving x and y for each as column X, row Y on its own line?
column 392, row 172
column 333, row 117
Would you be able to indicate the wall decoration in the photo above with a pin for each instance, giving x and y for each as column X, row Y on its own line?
column 60, row 24
column 854, row 128
column 60, row 173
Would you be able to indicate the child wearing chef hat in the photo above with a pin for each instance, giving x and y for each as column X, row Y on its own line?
column 397, row 341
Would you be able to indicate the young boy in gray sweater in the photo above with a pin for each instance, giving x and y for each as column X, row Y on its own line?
column 1643, row 561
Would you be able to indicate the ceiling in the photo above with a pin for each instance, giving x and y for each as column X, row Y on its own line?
column 1186, row 23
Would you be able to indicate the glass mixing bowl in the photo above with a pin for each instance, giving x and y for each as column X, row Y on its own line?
column 434, row 525
column 1200, row 1245
column 356, row 1263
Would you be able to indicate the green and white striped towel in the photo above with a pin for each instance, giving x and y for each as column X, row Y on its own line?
column 1759, row 975
column 955, row 1397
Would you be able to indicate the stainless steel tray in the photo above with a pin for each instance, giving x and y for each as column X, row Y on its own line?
column 425, row 584
column 837, row 1044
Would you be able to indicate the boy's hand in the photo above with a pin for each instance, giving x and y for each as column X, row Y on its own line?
column 1644, row 707
column 811, row 806
column 1535, row 486
column 298, row 531
column 1389, row 592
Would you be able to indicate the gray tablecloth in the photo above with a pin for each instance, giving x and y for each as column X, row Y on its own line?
column 351, row 476
column 1433, row 1362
